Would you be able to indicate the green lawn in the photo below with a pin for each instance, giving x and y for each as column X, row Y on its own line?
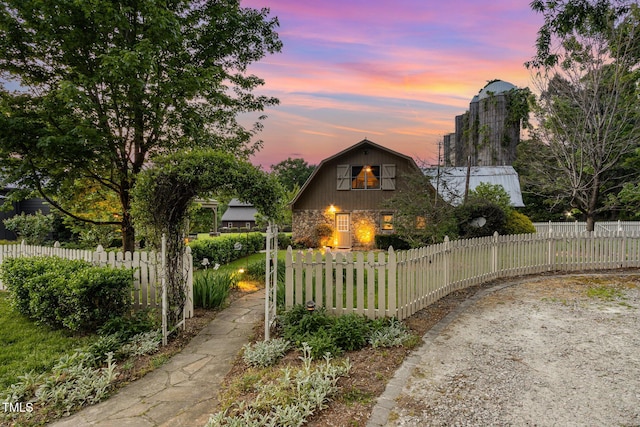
column 27, row 346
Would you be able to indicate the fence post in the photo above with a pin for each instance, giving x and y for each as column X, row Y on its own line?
column 164, row 290
column 446, row 260
column 188, row 262
column 494, row 255
column 392, row 280
column 288, row 279
column 550, row 250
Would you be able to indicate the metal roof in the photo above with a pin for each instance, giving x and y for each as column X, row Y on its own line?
column 495, row 87
column 452, row 181
column 239, row 211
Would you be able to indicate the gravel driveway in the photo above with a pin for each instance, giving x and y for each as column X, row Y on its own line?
column 551, row 352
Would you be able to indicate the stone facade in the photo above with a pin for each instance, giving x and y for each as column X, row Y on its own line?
column 365, row 225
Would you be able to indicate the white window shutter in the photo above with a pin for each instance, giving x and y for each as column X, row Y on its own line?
column 388, row 177
column 344, row 177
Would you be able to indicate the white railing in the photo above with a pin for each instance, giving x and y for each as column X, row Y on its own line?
column 398, row 284
column 146, row 266
column 581, row 226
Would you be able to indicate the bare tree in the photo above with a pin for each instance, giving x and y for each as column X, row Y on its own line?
column 586, row 72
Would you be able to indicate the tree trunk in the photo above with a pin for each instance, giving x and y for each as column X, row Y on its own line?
column 593, row 203
column 128, row 234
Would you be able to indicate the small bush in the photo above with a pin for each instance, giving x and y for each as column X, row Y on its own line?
column 142, row 344
column 284, row 240
column 256, row 270
column 383, row 241
column 265, row 353
column 391, row 333
column 289, row 400
column 323, row 234
column 350, row 331
column 300, row 325
column 131, row 324
column 466, row 214
column 518, row 223
column 321, row 344
column 211, row 289
column 32, row 228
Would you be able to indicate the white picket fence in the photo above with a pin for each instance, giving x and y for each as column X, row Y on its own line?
column 581, row 227
column 146, row 266
column 399, row 284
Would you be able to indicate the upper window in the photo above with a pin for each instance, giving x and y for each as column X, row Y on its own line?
column 365, row 177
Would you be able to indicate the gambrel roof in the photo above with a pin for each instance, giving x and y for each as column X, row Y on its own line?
column 360, row 145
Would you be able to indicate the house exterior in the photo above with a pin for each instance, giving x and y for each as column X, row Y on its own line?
column 345, row 193
column 27, row 206
column 239, row 215
column 451, row 182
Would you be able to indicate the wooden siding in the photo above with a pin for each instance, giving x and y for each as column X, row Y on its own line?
column 322, row 190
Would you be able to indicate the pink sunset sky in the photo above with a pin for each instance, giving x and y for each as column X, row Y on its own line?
column 394, row 72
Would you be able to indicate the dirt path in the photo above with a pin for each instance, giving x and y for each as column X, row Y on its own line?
column 554, row 352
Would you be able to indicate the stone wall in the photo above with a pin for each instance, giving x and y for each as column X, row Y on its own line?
column 365, row 225
column 304, row 223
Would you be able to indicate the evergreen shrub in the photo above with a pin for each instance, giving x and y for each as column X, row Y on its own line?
column 71, row 294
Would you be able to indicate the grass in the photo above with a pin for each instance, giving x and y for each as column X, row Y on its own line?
column 27, row 346
column 605, row 293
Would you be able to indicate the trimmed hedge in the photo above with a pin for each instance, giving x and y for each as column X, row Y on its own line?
column 222, row 249
column 383, row 241
column 71, row 294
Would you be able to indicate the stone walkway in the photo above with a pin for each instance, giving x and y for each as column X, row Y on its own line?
column 184, row 391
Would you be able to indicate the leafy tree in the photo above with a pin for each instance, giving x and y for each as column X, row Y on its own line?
column 542, row 200
column 421, row 217
column 292, row 173
column 108, row 83
column 494, row 193
column 587, row 74
column 165, row 192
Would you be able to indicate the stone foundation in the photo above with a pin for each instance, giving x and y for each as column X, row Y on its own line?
column 365, row 225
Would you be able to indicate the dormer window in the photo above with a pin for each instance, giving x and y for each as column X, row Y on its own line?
column 365, row 177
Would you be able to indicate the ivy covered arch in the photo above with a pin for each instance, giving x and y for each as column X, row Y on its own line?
column 165, row 191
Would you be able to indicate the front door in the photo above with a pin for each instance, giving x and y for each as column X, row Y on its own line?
column 343, row 230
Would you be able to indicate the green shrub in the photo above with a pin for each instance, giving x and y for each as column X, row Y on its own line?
column 222, row 249
column 96, row 294
column 350, row 331
column 130, row 324
column 518, row 223
column 32, row 228
column 256, row 270
column 322, row 343
column 466, row 214
column 284, row 240
column 16, row 271
column 383, row 241
column 299, row 326
column 211, row 288
column 67, row 293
